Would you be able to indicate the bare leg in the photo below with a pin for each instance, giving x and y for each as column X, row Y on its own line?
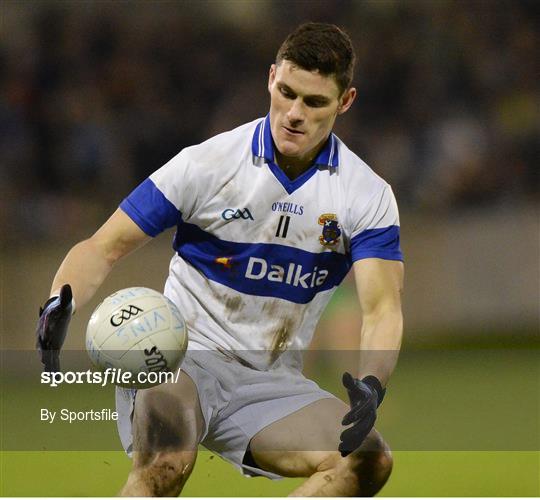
column 167, row 428
column 160, row 474
column 363, row 474
column 304, row 444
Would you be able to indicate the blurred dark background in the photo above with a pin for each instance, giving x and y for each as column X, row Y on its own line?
column 97, row 95
column 94, row 96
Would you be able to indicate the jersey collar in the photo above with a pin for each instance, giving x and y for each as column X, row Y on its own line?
column 262, row 146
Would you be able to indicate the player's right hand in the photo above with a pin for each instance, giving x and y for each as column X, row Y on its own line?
column 54, row 318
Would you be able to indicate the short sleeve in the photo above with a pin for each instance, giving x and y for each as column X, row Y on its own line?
column 148, row 207
column 376, row 234
column 159, row 201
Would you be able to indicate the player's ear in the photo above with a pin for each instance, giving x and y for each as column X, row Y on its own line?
column 346, row 100
column 271, row 77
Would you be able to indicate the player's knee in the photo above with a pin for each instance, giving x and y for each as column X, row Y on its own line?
column 369, row 470
column 385, row 462
column 171, row 471
column 163, row 474
column 380, row 464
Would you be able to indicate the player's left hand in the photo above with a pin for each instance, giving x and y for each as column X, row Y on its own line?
column 52, row 327
column 365, row 396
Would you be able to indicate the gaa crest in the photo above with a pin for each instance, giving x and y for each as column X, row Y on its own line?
column 331, row 230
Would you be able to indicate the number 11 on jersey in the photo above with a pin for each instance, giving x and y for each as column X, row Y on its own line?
column 283, row 226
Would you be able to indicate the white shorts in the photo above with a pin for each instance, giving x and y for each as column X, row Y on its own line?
column 237, row 402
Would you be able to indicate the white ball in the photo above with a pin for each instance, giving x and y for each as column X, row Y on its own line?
column 137, row 330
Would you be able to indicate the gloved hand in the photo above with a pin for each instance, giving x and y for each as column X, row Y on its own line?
column 54, row 318
column 365, row 396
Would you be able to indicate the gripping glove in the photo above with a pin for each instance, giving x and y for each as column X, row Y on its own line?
column 52, row 328
column 365, row 396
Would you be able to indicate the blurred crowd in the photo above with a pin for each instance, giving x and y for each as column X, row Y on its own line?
column 94, row 96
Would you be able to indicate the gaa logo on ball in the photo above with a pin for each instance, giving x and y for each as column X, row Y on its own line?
column 140, row 331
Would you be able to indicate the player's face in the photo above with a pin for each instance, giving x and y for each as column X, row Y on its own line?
column 303, row 108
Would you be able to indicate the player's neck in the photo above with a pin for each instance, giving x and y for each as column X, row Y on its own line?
column 293, row 167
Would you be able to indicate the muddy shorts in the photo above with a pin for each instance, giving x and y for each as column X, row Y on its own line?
column 237, row 401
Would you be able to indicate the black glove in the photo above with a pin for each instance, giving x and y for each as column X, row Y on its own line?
column 365, row 396
column 52, row 328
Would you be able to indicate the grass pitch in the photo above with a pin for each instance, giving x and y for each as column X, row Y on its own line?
column 461, row 423
column 82, row 474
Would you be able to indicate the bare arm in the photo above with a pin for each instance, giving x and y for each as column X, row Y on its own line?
column 88, row 263
column 379, row 284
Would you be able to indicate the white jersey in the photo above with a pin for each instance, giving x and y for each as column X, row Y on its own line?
column 258, row 256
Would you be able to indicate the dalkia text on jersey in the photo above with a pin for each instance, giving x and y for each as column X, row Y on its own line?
column 257, row 269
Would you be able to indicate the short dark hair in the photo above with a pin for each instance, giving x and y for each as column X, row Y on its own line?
column 320, row 47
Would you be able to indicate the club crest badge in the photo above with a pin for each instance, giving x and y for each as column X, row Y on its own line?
column 331, row 230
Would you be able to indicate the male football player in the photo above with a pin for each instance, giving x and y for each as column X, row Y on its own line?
column 269, row 219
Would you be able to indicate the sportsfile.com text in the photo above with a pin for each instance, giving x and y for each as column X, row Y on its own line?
column 113, row 376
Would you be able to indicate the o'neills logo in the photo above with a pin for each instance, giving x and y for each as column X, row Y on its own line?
column 293, row 274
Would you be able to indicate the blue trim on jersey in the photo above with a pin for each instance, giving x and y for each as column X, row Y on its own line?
column 262, row 145
column 261, row 269
column 291, row 186
column 147, row 206
column 382, row 243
